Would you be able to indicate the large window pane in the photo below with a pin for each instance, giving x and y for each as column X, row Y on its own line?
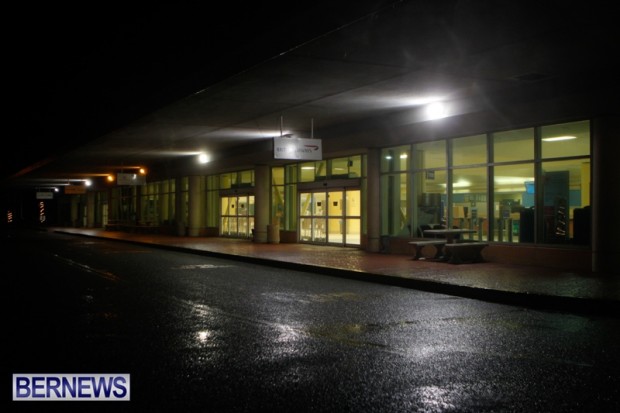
column 395, row 159
column 567, row 139
column 566, row 187
column 469, row 150
column 429, row 155
column 429, row 188
column 469, row 201
column 339, row 168
column 355, row 166
column 514, row 145
column 395, row 205
column 513, row 208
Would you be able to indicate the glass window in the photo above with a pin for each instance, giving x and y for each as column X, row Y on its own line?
column 277, row 176
column 395, row 205
column 514, row 145
column 470, row 150
column 355, row 166
column 513, row 207
column 339, row 168
column 566, row 193
column 320, row 171
column 245, row 178
column 395, row 159
column 469, row 199
column 226, row 181
column 430, row 194
column 429, row 155
column 567, row 139
column 307, row 172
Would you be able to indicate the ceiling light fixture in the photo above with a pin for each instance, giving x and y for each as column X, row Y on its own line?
column 436, row 110
column 559, row 138
column 203, row 158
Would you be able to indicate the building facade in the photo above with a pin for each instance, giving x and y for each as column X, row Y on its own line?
column 540, row 192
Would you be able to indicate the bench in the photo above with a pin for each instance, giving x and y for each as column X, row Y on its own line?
column 420, row 244
column 461, row 252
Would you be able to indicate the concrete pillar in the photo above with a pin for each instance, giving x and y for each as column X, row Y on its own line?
column 75, row 203
column 138, row 212
column 373, row 200
column 605, row 196
column 262, row 194
column 195, row 206
column 90, row 209
column 179, row 208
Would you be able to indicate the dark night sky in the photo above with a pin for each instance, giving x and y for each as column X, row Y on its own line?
column 76, row 72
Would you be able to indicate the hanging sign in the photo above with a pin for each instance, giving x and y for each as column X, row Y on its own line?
column 297, row 148
column 45, row 195
column 75, row 189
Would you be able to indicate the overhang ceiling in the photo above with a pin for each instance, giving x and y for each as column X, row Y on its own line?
column 396, row 59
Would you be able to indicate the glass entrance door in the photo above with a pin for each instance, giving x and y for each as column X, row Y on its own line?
column 237, row 216
column 330, row 217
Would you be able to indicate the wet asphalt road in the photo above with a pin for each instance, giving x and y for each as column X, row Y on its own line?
column 204, row 334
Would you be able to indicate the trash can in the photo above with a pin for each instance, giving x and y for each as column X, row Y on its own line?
column 273, row 234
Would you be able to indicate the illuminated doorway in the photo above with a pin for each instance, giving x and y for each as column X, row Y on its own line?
column 237, row 216
column 330, row 217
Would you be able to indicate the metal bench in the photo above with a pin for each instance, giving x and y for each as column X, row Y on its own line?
column 421, row 243
column 461, row 252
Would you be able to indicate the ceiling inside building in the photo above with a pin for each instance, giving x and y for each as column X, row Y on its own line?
column 395, row 59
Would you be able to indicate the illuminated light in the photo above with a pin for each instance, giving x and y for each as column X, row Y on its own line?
column 110, row 178
column 462, row 183
column 436, row 110
column 203, row 158
column 511, row 180
column 142, row 171
column 55, row 189
column 307, row 168
column 87, row 182
column 403, row 156
column 388, row 157
column 559, row 138
column 203, row 336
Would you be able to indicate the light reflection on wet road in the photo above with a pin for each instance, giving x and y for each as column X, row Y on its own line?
column 205, row 334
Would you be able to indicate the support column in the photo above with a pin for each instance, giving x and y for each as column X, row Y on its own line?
column 179, row 210
column 261, row 200
column 137, row 192
column 90, row 209
column 605, row 196
column 373, row 200
column 75, row 216
column 195, row 206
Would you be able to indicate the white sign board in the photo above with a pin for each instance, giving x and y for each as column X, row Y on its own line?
column 45, row 195
column 297, row 148
column 130, row 179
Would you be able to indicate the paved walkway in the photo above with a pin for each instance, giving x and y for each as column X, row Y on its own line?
column 536, row 287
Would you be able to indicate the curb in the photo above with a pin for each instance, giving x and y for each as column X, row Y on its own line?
column 575, row 305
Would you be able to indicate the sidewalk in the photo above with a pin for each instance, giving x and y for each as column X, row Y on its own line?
column 535, row 287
